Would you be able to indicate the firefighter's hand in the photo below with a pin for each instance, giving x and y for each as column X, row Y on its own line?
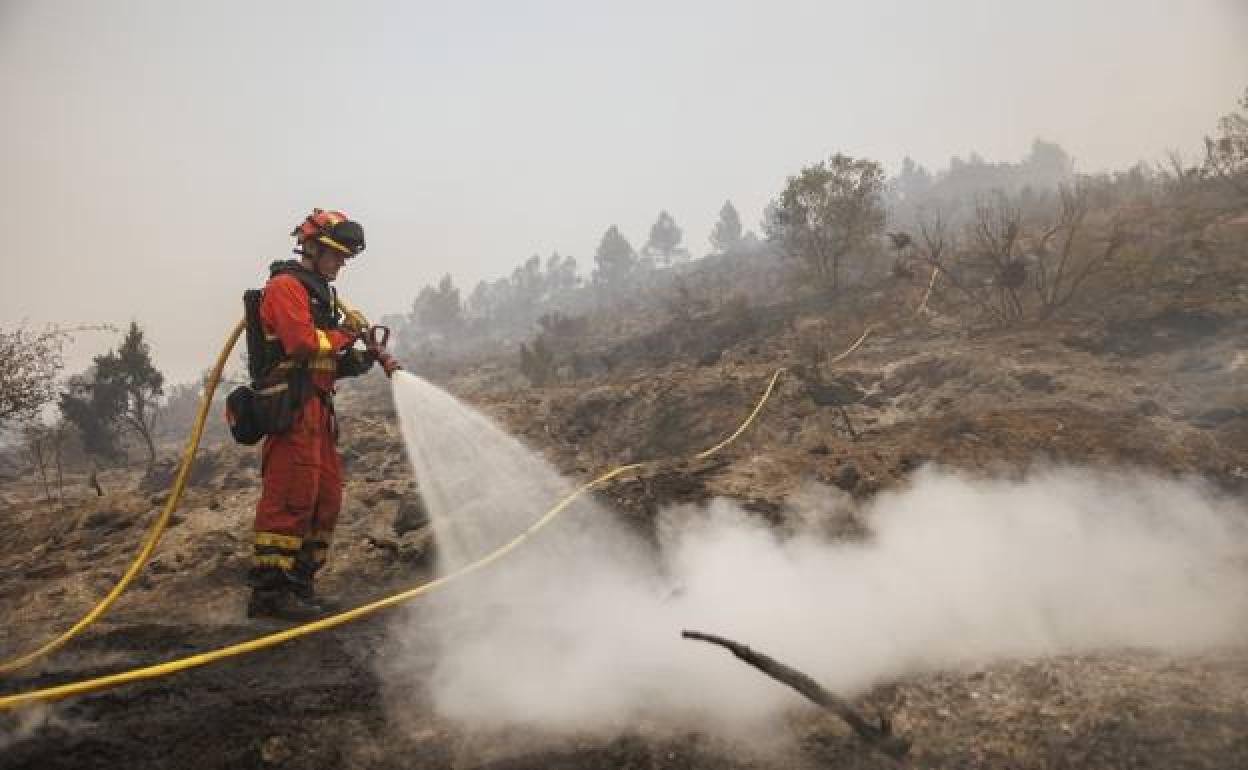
column 389, row 363
column 355, row 322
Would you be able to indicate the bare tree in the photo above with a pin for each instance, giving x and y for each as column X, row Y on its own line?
column 32, row 361
column 1226, row 156
column 939, row 247
column 37, row 446
column 1067, row 254
column 995, row 232
column 1026, row 258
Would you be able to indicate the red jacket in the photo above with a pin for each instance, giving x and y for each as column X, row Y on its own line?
column 286, row 313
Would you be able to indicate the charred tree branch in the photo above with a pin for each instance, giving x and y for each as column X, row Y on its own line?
column 879, row 737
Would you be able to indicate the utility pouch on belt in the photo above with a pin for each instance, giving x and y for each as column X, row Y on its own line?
column 255, row 411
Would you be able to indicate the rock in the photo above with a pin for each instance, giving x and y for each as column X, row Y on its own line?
column 1148, row 408
column 1215, row 417
column 383, row 544
column 276, row 750
column 381, row 494
column 396, row 470
column 927, row 372
column 1198, row 364
column 910, row 461
column 107, row 519
column 1093, row 341
column 412, row 515
column 847, row 476
column 1039, row 381
column 874, row 401
column 839, row 392
column 239, row 479
column 43, row 571
column 372, row 442
column 710, row 358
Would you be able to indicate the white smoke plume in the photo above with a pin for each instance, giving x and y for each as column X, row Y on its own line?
column 26, row 723
column 580, row 629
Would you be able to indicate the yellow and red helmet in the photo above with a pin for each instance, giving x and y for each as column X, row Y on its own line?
column 332, row 228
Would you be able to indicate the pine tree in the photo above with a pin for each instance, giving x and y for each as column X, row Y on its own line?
column 664, row 243
column 727, row 233
column 439, row 308
column 615, row 261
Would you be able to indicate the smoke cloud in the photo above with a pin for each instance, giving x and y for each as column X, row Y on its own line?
column 25, row 723
column 580, row 628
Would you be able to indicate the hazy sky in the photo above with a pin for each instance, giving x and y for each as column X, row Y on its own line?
column 156, row 154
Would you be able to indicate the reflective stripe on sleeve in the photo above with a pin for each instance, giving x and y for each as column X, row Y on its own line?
column 323, row 345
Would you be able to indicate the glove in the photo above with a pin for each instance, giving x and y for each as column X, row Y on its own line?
column 355, row 322
column 389, row 363
column 352, row 320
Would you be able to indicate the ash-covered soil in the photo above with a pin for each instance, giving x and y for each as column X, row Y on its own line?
column 1163, row 392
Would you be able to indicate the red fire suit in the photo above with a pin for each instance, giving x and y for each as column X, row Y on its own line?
column 301, row 469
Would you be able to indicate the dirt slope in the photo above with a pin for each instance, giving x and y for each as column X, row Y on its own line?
column 1163, row 392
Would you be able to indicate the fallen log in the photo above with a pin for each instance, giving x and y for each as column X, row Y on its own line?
column 879, row 737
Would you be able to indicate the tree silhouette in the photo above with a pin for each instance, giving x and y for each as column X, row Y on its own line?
column 826, row 212
column 134, row 382
column 664, row 243
column 615, row 261
column 439, row 308
column 727, row 233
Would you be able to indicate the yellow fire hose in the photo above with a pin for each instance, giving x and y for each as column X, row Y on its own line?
column 202, row 659
column 158, row 527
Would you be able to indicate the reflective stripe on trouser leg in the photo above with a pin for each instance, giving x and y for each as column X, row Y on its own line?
column 273, row 549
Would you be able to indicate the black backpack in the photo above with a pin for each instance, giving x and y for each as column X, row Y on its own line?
column 268, row 405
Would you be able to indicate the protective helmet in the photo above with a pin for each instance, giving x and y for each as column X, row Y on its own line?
column 333, row 229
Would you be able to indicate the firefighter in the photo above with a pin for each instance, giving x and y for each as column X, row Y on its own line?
column 312, row 344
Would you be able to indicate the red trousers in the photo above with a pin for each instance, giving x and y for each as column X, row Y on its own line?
column 302, row 492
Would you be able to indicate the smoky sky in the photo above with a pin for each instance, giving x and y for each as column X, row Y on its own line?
column 156, row 154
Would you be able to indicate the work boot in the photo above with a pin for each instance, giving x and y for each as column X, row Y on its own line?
column 306, row 592
column 282, row 604
column 303, row 579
